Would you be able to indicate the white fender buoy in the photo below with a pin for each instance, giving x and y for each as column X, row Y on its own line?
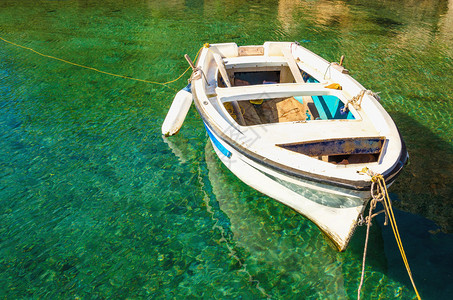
column 177, row 112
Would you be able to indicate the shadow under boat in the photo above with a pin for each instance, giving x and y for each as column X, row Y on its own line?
column 422, row 195
column 425, row 187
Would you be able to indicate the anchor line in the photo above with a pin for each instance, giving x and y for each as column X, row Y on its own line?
column 379, row 193
column 100, row 71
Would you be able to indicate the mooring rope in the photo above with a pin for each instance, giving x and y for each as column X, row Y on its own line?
column 373, row 203
column 100, row 71
column 379, row 193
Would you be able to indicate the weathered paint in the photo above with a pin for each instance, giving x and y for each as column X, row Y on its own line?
column 344, row 146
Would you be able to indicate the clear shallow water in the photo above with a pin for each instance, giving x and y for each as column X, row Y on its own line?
column 95, row 204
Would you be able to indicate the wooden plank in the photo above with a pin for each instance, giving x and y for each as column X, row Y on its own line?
column 237, row 110
column 251, row 51
column 256, row 61
column 345, row 146
column 251, row 92
column 292, row 65
column 295, row 70
column 219, row 61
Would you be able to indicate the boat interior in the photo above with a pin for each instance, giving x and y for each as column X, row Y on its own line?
column 261, row 91
column 281, row 70
column 283, row 109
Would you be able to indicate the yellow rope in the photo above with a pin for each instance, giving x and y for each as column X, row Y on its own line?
column 96, row 70
column 388, row 204
column 381, row 194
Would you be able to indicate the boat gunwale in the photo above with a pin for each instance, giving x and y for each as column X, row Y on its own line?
column 362, row 185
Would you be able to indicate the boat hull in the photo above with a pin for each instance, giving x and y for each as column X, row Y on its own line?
column 333, row 209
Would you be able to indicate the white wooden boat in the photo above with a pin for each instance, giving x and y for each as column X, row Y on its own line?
column 298, row 129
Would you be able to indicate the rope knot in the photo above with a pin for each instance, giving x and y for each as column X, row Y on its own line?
column 377, row 177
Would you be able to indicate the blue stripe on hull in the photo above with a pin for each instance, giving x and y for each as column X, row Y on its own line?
column 216, row 142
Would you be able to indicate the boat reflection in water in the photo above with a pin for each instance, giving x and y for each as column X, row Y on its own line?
column 273, row 236
column 263, row 236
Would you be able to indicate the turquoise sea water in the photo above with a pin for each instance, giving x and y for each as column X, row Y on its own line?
column 95, row 204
